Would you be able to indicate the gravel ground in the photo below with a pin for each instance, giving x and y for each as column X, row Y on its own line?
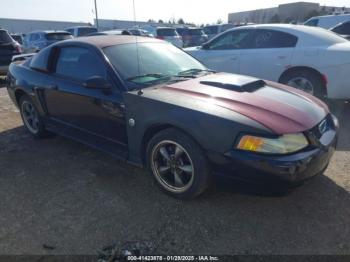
column 59, row 193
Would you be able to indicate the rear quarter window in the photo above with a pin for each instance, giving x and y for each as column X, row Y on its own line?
column 273, row 39
column 40, row 61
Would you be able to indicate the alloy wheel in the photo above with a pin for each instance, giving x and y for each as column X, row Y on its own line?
column 172, row 166
column 302, row 83
column 30, row 117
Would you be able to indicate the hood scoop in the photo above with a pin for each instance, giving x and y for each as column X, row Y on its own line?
column 235, row 83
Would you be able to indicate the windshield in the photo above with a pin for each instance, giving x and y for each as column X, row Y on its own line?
column 151, row 62
column 58, row 36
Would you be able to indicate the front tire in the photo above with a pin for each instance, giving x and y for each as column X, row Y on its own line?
column 178, row 164
column 31, row 118
column 307, row 81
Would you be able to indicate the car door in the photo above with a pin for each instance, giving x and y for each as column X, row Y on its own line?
column 70, row 104
column 269, row 55
column 223, row 53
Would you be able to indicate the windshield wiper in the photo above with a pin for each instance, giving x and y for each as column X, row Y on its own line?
column 194, row 72
column 154, row 75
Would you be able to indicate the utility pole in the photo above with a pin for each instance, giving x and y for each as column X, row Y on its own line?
column 96, row 13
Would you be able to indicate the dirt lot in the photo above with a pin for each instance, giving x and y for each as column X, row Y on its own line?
column 63, row 194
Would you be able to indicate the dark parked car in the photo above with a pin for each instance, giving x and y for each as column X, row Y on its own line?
column 192, row 36
column 342, row 29
column 8, row 48
column 163, row 109
column 37, row 40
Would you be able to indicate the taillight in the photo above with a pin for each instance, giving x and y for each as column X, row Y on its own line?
column 325, row 80
column 160, row 37
column 17, row 48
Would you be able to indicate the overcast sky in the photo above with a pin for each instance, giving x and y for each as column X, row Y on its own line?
column 197, row 11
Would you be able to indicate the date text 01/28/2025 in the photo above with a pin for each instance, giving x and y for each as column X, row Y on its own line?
column 172, row 258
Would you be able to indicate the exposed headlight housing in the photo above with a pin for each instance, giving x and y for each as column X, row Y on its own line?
column 282, row 145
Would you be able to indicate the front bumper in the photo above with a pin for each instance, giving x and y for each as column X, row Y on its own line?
column 287, row 169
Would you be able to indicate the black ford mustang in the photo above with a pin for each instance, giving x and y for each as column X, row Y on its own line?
column 149, row 103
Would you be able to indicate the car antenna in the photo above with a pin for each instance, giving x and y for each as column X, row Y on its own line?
column 140, row 92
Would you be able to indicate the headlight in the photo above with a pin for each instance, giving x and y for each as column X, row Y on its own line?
column 282, row 145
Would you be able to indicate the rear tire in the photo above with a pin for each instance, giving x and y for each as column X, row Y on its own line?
column 31, row 117
column 178, row 164
column 306, row 81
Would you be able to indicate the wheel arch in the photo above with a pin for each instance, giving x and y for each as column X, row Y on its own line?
column 302, row 68
column 19, row 93
column 154, row 129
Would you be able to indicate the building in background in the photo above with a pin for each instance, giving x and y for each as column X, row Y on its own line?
column 108, row 24
column 25, row 26
column 294, row 12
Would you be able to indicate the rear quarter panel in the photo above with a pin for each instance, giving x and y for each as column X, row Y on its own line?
column 24, row 80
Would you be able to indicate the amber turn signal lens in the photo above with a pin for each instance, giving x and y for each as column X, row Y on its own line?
column 250, row 143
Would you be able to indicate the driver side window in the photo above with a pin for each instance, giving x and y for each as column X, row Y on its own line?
column 238, row 39
column 79, row 64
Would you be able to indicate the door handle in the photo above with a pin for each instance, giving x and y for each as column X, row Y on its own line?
column 282, row 57
column 234, row 58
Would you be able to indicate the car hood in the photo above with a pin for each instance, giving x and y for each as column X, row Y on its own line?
column 280, row 108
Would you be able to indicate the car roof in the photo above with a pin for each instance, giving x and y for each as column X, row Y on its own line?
column 115, row 31
column 164, row 27
column 285, row 27
column 81, row 26
column 49, row 32
column 218, row 25
column 329, row 16
column 309, row 35
column 103, row 41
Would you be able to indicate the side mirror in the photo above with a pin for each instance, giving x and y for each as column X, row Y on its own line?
column 97, row 82
column 205, row 46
